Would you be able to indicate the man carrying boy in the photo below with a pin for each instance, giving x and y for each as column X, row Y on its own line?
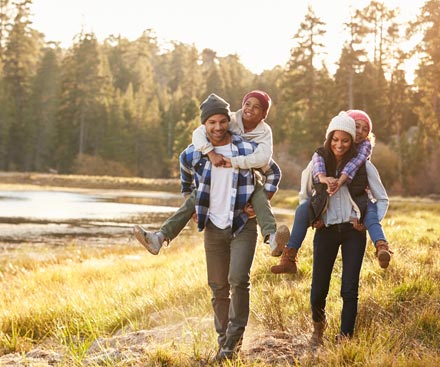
column 230, row 236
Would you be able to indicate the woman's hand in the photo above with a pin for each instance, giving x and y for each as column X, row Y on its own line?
column 358, row 226
column 318, row 224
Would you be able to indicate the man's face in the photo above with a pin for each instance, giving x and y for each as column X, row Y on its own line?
column 217, row 129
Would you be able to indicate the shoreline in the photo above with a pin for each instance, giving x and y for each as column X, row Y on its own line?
column 88, row 182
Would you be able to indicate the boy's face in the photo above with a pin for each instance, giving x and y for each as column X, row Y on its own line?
column 253, row 111
column 362, row 131
column 217, row 129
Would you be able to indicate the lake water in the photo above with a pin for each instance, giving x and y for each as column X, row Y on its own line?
column 80, row 216
column 41, row 216
column 58, row 206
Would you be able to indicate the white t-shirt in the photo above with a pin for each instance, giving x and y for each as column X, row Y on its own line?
column 221, row 191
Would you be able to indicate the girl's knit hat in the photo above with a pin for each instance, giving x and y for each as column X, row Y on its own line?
column 262, row 97
column 342, row 122
column 361, row 115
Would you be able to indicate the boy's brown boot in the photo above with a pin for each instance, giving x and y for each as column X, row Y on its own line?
column 288, row 261
column 383, row 253
column 318, row 333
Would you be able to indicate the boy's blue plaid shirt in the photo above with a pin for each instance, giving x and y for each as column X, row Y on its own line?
column 195, row 172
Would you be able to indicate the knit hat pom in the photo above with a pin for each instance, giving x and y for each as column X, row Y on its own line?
column 360, row 115
column 262, row 97
column 342, row 122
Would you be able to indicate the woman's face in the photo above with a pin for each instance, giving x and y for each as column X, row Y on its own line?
column 340, row 144
column 362, row 131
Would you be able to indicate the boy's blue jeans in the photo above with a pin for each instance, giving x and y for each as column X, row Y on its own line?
column 301, row 223
column 266, row 220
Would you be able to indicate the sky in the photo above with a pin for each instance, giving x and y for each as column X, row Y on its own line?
column 259, row 32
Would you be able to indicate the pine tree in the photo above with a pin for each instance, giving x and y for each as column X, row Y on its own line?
column 86, row 90
column 301, row 103
column 20, row 61
column 428, row 73
column 44, row 103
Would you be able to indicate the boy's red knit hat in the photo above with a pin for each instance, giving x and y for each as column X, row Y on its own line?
column 262, row 97
column 360, row 115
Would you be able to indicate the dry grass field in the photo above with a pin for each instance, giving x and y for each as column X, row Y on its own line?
column 117, row 305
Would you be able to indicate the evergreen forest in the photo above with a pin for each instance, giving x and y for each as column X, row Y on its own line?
column 128, row 107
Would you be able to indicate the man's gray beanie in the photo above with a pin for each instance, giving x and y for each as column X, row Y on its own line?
column 214, row 105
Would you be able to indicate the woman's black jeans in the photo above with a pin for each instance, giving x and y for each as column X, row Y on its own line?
column 326, row 245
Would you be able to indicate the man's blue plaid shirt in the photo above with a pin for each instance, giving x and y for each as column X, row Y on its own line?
column 195, row 173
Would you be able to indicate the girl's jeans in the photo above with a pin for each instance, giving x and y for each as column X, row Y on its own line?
column 326, row 245
column 371, row 221
column 301, row 223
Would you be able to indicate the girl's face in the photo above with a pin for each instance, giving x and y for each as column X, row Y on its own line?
column 340, row 144
column 362, row 131
column 253, row 111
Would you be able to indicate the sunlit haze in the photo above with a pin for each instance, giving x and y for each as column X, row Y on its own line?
column 259, row 32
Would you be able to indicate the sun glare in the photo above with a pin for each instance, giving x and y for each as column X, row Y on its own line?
column 259, row 34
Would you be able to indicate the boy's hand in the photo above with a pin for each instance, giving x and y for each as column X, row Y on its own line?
column 226, row 162
column 194, row 217
column 216, row 159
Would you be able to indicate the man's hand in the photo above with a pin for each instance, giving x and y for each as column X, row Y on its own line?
column 194, row 217
column 358, row 226
column 249, row 210
column 216, row 159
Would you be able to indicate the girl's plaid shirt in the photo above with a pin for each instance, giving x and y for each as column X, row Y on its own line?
column 195, row 173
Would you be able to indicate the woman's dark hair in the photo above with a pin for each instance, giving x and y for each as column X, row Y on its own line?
column 352, row 152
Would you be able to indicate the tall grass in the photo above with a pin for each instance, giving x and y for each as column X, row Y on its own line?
column 67, row 299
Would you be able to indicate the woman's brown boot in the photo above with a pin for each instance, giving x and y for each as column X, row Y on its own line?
column 383, row 253
column 288, row 261
column 318, row 333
